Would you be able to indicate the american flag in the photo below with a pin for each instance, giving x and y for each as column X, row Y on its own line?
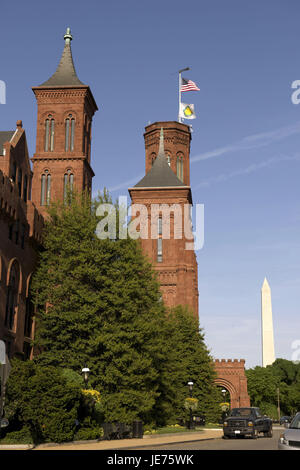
column 188, row 85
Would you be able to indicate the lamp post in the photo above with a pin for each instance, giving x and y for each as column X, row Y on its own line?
column 190, row 385
column 85, row 371
column 224, row 413
column 278, row 403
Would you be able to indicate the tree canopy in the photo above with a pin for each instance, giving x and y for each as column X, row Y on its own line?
column 99, row 304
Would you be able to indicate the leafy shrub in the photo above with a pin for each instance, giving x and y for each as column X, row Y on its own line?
column 23, row 436
column 40, row 398
column 85, row 434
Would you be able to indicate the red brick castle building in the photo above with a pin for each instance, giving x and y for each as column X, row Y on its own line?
column 61, row 163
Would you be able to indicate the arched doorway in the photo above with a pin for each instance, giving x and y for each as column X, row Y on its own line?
column 231, row 376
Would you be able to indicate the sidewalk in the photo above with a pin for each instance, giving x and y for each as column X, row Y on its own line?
column 151, row 440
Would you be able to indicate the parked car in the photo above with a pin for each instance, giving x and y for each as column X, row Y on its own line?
column 290, row 439
column 247, row 422
column 285, row 419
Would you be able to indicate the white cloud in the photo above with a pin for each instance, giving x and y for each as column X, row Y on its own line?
column 250, row 142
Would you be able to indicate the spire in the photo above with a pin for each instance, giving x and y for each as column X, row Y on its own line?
column 65, row 74
column 160, row 174
column 265, row 284
column 161, row 150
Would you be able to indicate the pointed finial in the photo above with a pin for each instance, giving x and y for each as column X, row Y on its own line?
column 68, row 37
column 161, row 142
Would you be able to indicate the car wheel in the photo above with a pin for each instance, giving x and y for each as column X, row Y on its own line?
column 225, row 437
column 269, row 433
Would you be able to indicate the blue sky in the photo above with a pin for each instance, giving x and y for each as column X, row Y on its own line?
column 245, row 154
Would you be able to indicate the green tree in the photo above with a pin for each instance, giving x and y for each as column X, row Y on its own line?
column 263, row 383
column 41, row 399
column 99, row 304
column 188, row 359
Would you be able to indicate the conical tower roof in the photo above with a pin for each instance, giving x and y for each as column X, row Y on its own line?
column 160, row 174
column 65, row 74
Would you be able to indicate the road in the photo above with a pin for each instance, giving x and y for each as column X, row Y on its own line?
column 262, row 443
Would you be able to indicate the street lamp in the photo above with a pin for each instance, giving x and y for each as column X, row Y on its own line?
column 85, row 371
column 224, row 412
column 190, row 385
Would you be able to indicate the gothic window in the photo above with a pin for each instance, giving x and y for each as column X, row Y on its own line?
column 68, row 185
column 168, row 159
column 159, row 241
column 72, row 133
column 69, row 133
column 180, row 167
column 49, row 133
column 45, row 188
column 159, row 250
column 12, row 296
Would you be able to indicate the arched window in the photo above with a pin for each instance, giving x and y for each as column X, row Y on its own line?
column 12, row 296
column 180, row 167
column 49, row 133
column 69, row 133
column 72, row 134
column 45, row 188
column 159, row 241
column 68, row 186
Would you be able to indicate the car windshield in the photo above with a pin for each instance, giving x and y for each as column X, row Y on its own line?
column 241, row 412
column 295, row 424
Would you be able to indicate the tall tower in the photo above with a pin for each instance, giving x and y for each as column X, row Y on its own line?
column 63, row 142
column 167, row 183
column 268, row 354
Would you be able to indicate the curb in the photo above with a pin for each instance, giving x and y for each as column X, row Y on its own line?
column 97, row 441
column 17, row 446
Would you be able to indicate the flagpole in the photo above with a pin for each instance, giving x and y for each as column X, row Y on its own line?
column 179, row 91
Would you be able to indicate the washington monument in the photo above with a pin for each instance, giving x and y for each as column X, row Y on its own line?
column 268, row 354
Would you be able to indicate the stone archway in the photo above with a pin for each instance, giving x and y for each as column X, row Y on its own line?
column 231, row 375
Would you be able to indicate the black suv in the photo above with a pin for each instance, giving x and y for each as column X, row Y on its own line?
column 247, row 421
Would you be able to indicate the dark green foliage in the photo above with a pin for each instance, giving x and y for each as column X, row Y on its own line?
column 40, row 399
column 188, row 359
column 263, row 383
column 99, row 305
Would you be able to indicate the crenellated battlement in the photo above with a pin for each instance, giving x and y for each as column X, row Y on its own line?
column 227, row 361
